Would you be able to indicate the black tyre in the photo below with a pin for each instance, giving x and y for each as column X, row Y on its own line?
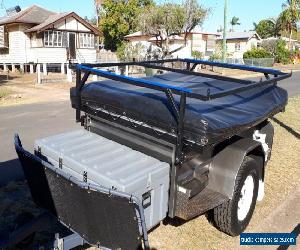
column 233, row 216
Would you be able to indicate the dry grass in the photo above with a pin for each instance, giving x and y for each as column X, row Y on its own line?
column 4, row 92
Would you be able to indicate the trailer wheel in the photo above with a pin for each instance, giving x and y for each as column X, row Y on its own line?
column 233, row 216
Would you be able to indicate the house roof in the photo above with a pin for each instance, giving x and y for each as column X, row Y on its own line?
column 34, row 15
column 175, row 37
column 282, row 37
column 239, row 35
column 58, row 17
column 43, row 18
column 135, row 34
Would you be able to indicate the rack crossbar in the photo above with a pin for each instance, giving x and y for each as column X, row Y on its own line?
column 274, row 72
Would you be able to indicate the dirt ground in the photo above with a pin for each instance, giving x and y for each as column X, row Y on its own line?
column 22, row 89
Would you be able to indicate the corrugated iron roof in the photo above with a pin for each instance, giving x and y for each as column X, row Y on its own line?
column 34, row 14
column 239, row 35
column 51, row 19
column 42, row 18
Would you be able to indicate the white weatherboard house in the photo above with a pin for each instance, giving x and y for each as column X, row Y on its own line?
column 37, row 35
column 199, row 41
column 240, row 42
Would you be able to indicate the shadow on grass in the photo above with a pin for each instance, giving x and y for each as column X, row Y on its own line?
column 289, row 129
column 6, row 78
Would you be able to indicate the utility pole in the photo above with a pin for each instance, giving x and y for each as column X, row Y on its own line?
column 224, row 32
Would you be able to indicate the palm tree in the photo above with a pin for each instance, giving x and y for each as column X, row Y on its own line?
column 288, row 18
column 234, row 21
column 255, row 25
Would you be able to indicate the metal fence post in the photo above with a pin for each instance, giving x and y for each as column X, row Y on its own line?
column 38, row 71
column 69, row 74
column 62, row 68
column 45, row 68
column 31, row 68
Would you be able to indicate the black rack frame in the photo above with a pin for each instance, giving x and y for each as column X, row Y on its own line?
column 170, row 91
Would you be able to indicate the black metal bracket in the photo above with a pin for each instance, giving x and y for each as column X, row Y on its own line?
column 173, row 104
column 179, row 143
column 193, row 67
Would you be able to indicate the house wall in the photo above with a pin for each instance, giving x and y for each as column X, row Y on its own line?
column 71, row 24
column 185, row 52
column 195, row 41
column 245, row 45
column 27, row 48
column 19, row 45
column 200, row 43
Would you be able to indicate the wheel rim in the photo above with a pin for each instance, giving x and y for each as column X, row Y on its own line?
column 246, row 197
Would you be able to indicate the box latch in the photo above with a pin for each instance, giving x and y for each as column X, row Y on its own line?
column 146, row 199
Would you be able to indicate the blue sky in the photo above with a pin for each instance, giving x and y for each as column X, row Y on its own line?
column 247, row 11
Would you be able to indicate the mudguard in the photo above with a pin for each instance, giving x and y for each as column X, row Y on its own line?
column 226, row 164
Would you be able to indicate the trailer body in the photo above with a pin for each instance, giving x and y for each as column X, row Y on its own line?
column 176, row 144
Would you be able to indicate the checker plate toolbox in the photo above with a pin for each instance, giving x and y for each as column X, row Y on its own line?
column 149, row 148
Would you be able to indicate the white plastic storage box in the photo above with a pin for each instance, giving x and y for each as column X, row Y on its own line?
column 93, row 158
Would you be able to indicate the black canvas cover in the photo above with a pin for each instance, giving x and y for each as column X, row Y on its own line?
column 204, row 120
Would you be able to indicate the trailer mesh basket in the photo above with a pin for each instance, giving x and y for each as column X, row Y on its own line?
column 102, row 219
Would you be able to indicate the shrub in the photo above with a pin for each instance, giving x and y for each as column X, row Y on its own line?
column 128, row 52
column 257, row 53
column 282, row 54
column 277, row 48
column 270, row 46
column 197, row 54
column 215, row 57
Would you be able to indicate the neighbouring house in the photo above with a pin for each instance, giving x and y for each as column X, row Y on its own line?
column 37, row 35
column 203, row 42
column 290, row 44
column 240, row 42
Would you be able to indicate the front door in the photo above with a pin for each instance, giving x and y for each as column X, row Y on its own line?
column 72, row 45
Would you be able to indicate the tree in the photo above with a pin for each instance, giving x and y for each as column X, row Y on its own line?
column 288, row 18
column 233, row 22
column 266, row 28
column 92, row 20
column 220, row 29
column 277, row 48
column 170, row 19
column 118, row 18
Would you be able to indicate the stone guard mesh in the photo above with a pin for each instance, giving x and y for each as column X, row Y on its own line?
column 101, row 219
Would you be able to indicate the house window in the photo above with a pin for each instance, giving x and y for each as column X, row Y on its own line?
column 210, row 43
column 3, row 37
column 53, row 38
column 237, row 47
column 86, row 40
